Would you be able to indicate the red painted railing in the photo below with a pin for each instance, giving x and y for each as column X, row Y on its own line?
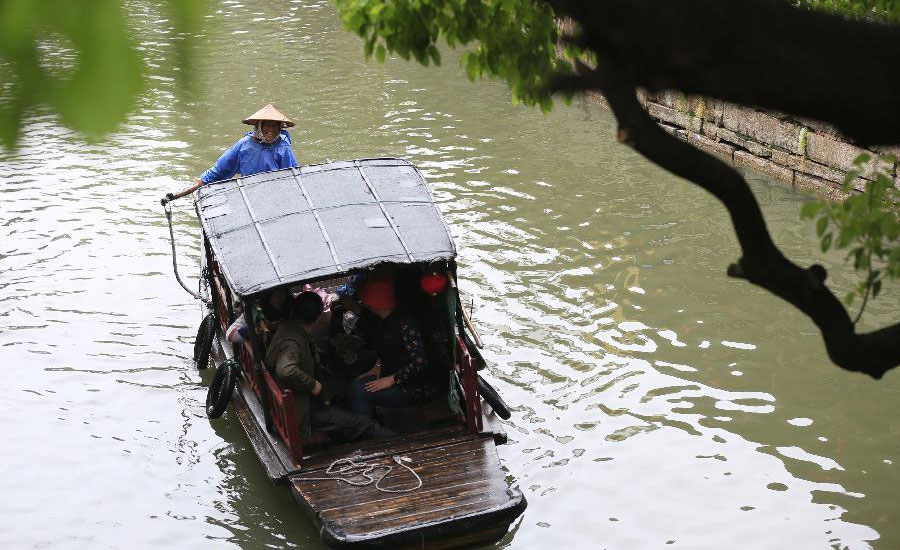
column 283, row 419
column 465, row 368
column 281, row 403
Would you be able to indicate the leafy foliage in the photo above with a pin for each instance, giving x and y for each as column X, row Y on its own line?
column 885, row 10
column 868, row 224
column 514, row 40
column 78, row 56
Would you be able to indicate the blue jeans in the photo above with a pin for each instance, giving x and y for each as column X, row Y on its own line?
column 363, row 402
column 342, row 425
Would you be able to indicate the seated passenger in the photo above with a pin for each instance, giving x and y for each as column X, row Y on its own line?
column 402, row 376
column 293, row 356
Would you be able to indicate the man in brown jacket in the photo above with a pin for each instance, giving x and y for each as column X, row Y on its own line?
column 293, row 356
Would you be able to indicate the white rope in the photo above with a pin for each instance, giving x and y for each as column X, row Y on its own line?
column 361, row 474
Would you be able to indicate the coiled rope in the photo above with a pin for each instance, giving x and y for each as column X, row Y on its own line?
column 361, row 474
column 196, row 295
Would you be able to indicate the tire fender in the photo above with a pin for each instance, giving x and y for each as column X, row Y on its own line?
column 220, row 389
column 489, row 394
column 203, row 341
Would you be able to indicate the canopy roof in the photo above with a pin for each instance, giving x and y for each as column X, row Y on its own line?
column 322, row 220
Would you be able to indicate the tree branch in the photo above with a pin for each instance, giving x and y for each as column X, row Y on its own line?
column 763, row 53
column 761, row 263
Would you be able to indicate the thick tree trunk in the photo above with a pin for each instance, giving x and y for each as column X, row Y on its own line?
column 766, row 54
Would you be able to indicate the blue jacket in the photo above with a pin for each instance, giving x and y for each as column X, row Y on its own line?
column 249, row 157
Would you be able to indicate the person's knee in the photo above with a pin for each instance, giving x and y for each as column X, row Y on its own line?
column 358, row 399
column 356, row 390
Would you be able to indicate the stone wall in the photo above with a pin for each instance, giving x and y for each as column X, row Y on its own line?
column 806, row 153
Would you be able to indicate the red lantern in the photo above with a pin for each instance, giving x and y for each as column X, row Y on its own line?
column 433, row 282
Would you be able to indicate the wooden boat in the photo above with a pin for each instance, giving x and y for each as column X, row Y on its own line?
column 319, row 225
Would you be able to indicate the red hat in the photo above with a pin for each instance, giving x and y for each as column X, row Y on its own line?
column 377, row 291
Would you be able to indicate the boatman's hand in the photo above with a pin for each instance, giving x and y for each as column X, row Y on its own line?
column 380, row 384
column 167, row 199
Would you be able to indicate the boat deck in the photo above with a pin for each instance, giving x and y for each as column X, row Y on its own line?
column 464, row 498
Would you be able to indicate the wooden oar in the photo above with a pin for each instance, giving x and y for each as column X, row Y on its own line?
column 470, row 326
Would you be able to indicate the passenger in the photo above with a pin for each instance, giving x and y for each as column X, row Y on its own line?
column 275, row 308
column 402, row 376
column 266, row 148
column 294, row 358
column 319, row 331
column 237, row 332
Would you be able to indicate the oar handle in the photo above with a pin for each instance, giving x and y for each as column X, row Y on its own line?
column 470, row 326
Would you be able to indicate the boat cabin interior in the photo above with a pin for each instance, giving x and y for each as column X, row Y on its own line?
column 426, row 293
column 342, row 336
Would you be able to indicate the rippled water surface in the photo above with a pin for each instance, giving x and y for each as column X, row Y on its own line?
column 656, row 402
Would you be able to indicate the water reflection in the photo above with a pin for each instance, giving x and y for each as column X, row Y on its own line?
column 656, row 402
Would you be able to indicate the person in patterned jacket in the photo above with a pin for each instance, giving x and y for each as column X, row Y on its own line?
column 402, row 375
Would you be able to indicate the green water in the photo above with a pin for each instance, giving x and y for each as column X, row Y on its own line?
column 656, row 401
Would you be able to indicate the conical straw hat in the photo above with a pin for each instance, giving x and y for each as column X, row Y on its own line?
column 269, row 112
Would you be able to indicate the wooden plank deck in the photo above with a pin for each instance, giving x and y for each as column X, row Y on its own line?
column 464, row 498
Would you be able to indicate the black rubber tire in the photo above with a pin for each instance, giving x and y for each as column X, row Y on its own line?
column 203, row 342
column 474, row 352
column 220, row 389
column 489, row 394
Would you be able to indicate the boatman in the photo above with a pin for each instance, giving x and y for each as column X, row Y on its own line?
column 267, row 147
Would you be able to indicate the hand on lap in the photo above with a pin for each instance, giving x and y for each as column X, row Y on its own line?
column 380, row 384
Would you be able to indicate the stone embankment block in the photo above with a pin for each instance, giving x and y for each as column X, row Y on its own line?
column 805, row 181
column 718, row 147
column 840, row 154
column 761, row 127
column 666, row 114
column 765, row 166
column 744, row 143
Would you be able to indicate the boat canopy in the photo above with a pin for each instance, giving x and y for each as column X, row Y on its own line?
column 320, row 221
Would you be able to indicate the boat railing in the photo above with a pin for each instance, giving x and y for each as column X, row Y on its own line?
column 283, row 419
column 468, row 375
column 281, row 403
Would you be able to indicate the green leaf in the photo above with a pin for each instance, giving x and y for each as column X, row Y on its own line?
column 435, row 55
column 862, row 158
column 848, row 179
column 471, row 66
column 848, row 299
column 821, row 225
column 379, row 53
column 826, row 242
column 546, row 104
column 809, row 209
